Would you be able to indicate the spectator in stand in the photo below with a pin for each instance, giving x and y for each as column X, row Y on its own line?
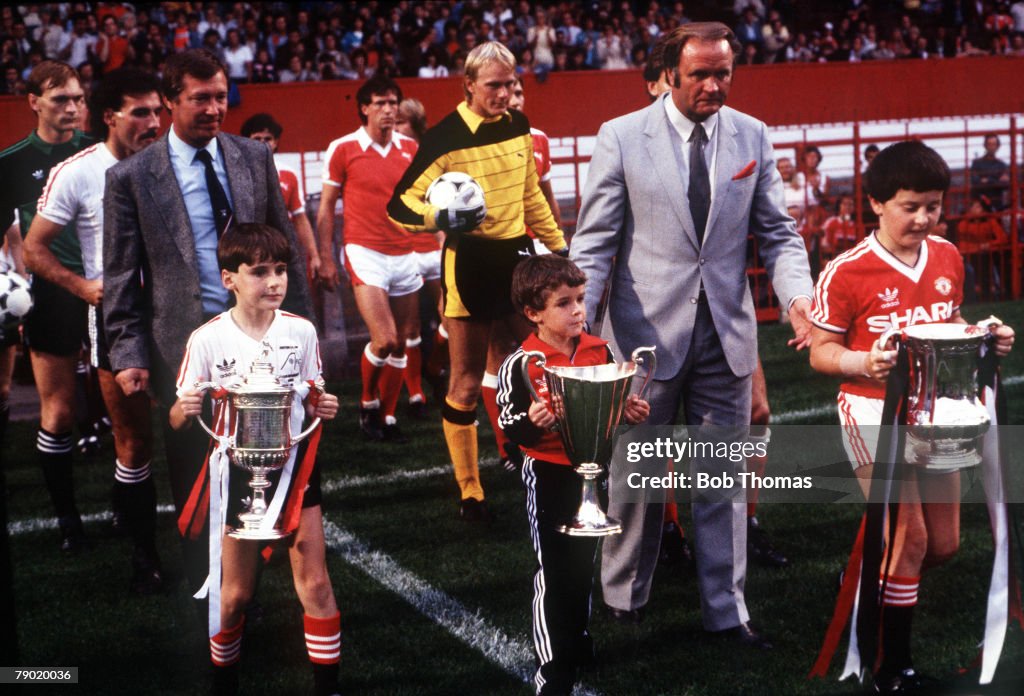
column 750, row 30
column 882, row 51
column 354, row 37
column 793, row 187
column 361, row 69
column 983, row 243
column 816, row 183
column 294, row 46
column 212, row 22
column 990, row 176
column 211, row 42
column 525, row 64
column 775, row 37
column 237, row 57
column 79, row 46
column 840, row 230
column 800, row 51
column 612, row 49
column 1017, row 12
column 432, row 68
column 750, row 55
column 112, row 48
column 263, row 69
column 297, row 71
column 51, row 36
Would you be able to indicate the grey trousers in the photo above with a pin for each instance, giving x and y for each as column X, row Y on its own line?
column 710, row 394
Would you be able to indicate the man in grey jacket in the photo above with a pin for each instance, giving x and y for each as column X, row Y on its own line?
column 672, row 193
column 164, row 211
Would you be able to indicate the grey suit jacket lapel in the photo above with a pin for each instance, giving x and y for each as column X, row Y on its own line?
column 239, row 179
column 661, row 146
column 169, row 204
column 726, row 167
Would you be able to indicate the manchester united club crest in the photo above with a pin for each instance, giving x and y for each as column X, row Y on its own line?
column 943, row 285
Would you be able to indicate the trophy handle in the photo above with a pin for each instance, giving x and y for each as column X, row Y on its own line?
column 203, row 387
column 529, row 355
column 312, row 426
column 883, row 340
column 650, row 370
column 989, row 324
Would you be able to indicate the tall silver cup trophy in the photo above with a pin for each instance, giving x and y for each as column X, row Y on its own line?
column 261, row 442
column 946, row 421
column 588, row 403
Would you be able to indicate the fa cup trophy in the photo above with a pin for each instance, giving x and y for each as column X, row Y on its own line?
column 261, row 442
column 946, row 422
column 588, row 403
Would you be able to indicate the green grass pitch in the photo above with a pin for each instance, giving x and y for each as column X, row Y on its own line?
column 392, row 531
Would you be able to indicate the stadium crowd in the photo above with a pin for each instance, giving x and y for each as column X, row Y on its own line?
column 310, row 41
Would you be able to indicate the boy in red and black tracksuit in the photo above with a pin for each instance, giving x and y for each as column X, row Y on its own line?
column 549, row 290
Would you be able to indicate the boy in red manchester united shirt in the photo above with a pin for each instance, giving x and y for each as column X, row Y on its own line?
column 898, row 276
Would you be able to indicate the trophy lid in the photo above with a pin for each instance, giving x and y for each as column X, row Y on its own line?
column 945, row 332
column 261, row 378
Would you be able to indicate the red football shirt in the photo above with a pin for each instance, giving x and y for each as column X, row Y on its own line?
column 866, row 291
column 367, row 174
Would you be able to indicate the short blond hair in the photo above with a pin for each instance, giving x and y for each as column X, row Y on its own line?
column 487, row 52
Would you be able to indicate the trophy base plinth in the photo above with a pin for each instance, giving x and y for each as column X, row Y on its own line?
column 579, row 528
column 257, row 534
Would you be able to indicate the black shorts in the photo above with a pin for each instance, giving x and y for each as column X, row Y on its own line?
column 58, row 320
column 239, row 490
column 9, row 336
column 477, row 275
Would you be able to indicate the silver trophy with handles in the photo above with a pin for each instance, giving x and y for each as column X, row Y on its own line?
column 261, row 441
column 588, row 403
column 946, row 421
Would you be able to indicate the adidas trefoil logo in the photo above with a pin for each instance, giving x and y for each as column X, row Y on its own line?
column 889, row 298
column 226, row 367
column 523, row 252
column 38, row 174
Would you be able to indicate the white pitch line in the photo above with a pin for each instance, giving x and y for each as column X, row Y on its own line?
column 348, row 482
column 40, row 524
column 513, row 655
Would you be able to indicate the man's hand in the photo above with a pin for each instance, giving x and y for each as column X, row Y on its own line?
column 133, row 380
column 801, row 323
column 460, row 220
column 327, row 273
column 91, row 291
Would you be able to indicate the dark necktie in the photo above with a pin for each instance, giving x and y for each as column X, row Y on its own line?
column 699, row 191
column 218, row 199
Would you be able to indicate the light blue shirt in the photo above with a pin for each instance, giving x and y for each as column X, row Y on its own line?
column 191, row 176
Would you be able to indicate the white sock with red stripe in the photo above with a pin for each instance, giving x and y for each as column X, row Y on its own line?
column 323, row 643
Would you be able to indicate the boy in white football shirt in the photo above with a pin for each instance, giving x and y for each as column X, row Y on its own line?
column 254, row 266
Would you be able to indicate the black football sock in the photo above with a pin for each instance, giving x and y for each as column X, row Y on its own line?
column 54, row 450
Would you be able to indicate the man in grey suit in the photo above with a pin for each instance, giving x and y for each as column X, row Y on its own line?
column 164, row 211
column 672, row 192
